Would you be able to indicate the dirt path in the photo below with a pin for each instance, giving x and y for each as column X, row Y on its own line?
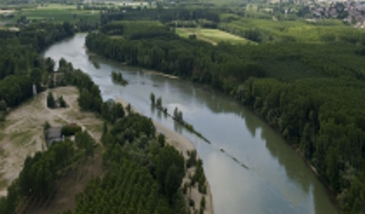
column 21, row 135
column 183, row 145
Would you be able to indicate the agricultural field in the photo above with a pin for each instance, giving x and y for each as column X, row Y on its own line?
column 266, row 30
column 54, row 12
column 212, row 36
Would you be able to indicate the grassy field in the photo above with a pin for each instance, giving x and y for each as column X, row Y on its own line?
column 285, row 30
column 212, row 36
column 22, row 132
column 54, row 12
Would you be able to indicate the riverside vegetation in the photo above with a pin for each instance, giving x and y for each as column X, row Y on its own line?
column 312, row 91
column 142, row 172
column 309, row 86
column 155, row 170
column 177, row 116
column 118, row 78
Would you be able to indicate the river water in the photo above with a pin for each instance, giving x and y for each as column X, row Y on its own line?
column 276, row 179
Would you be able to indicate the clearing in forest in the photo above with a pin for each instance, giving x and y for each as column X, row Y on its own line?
column 212, row 36
column 21, row 134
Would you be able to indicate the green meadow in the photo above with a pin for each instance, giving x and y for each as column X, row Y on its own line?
column 213, row 36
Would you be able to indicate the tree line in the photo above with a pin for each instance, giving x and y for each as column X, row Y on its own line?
column 20, row 64
column 312, row 93
column 143, row 173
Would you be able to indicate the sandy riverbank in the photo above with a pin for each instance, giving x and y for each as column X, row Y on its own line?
column 183, row 145
column 160, row 74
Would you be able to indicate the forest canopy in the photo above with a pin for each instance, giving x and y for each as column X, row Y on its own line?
column 313, row 93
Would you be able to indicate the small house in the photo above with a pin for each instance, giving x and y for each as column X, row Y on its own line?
column 53, row 134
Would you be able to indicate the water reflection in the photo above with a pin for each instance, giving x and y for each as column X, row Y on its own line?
column 278, row 181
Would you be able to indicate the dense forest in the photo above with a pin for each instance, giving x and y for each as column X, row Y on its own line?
column 313, row 93
column 308, row 83
column 20, row 64
column 143, row 174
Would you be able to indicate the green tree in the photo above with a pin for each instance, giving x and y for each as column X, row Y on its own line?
column 161, row 139
column 152, row 98
column 62, row 102
column 36, row 75
column 3, row 105
column 202, row 202
column 50, row 100
column 159, row 102
column 169, row 170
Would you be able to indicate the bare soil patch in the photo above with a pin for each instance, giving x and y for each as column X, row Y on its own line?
column 21, row 135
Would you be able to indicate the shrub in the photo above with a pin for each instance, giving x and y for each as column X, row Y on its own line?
column 202, row 188
column 185, row 188
column 191, row 202
column 192, row 159
column 69, row 130
column 202, row 204
column 46, row 126
column 161, row 139
column 50, row 100
column 62, row 102
column 2, row 116
column 159, row 102
column 201, row 211
column 152, row 98
column 3, row 105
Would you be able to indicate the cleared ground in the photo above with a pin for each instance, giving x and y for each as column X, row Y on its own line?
column 21, row 134
column 212, row 36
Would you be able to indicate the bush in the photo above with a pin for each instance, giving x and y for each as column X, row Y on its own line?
column 161, row 139
column 202, row 203
column 191, row 202
column 185, row 188
column 46, row 126
column 202, row 188
column 69, row 130
column 61, row 102
column 2, row 116
column 192, row 159
column 50, row 100
column 3, row 105
column 201, row 211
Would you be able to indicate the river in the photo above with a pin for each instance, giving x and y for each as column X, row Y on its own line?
column 277, row 180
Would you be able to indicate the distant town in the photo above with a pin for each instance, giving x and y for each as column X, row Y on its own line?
column 352, row 12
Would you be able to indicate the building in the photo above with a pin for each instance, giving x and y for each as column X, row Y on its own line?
column 53, row 134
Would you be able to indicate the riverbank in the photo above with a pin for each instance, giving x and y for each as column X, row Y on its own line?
column 332, row 195
column 183, row 145
column 160, row 74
